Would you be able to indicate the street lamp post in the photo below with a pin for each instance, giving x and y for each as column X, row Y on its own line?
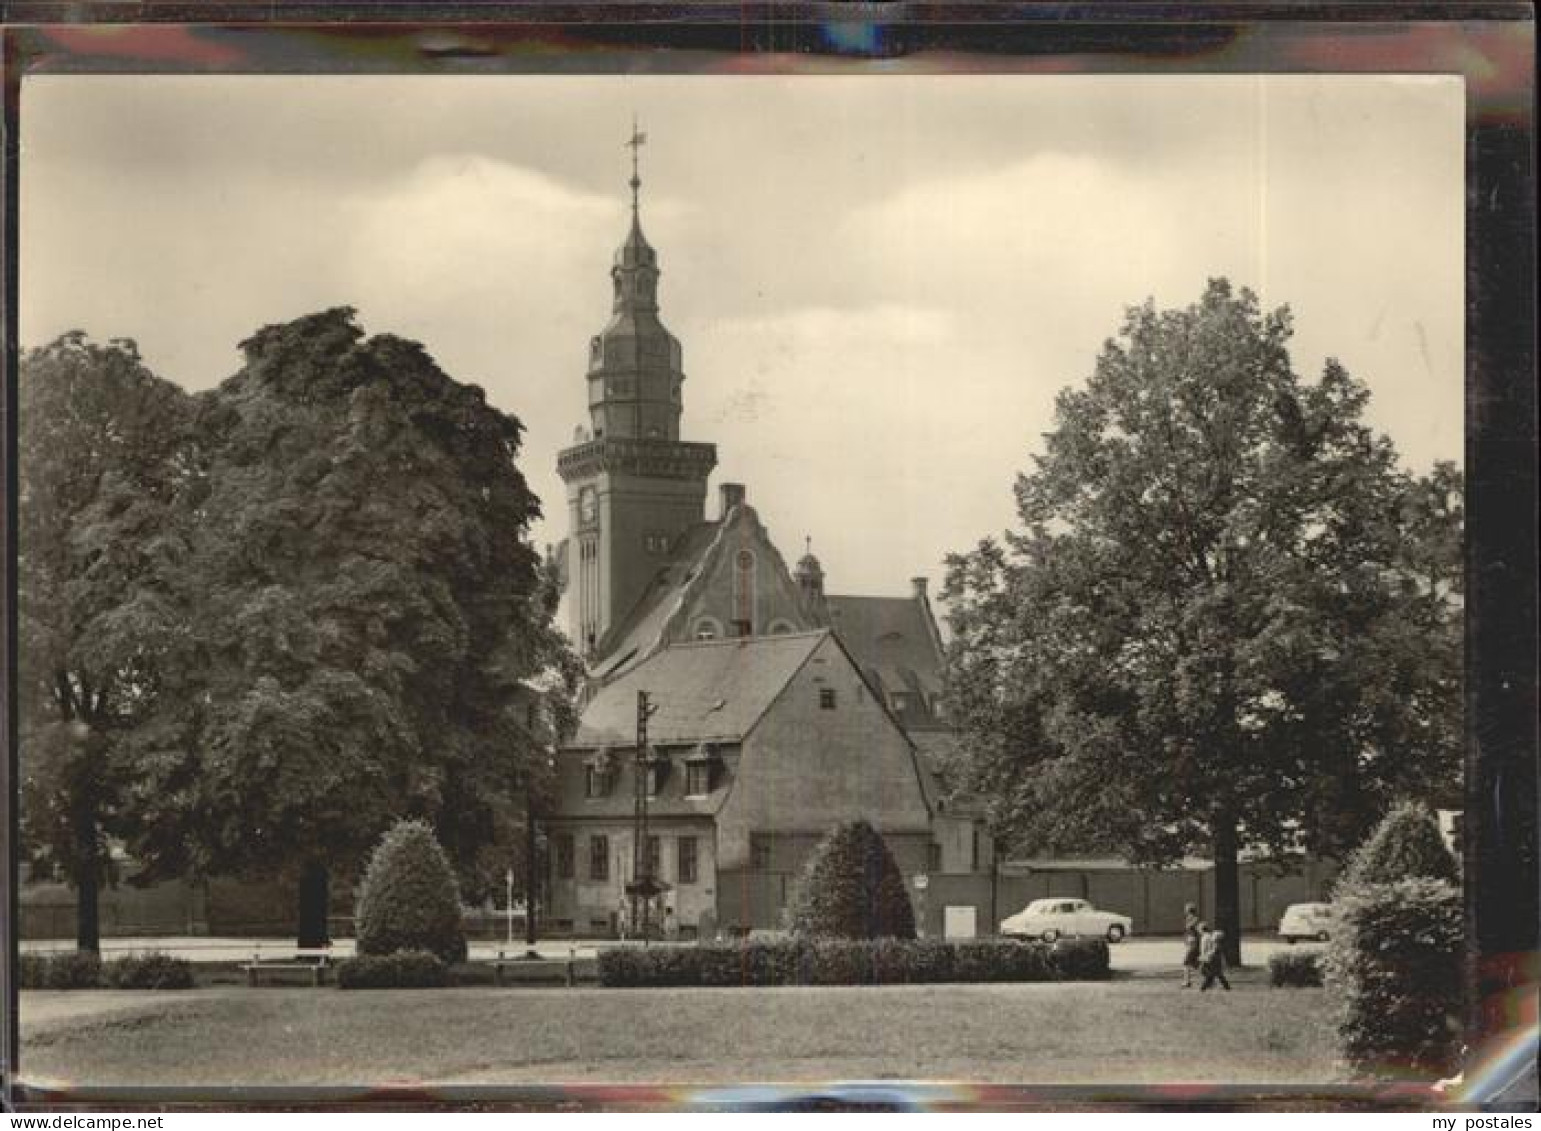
column 508, row 907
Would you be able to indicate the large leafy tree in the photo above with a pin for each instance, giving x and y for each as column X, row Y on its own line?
column 368, row 606
column 1228, row 618
column 106, row 459
column 545, row 711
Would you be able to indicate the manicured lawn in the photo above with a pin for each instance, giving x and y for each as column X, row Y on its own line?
column 1125, row 1031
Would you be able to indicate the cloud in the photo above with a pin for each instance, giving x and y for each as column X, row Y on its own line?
column 879, row 283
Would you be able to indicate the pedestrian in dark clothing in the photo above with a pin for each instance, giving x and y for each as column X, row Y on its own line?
column 1191, row 927
column 1212, row 960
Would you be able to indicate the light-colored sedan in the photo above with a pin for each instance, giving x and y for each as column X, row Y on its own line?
column 1049, row 919
column 1306, row 921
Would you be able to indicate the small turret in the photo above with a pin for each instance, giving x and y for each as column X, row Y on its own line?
column 809, row 574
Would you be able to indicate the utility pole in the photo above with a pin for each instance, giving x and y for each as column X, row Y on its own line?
column 644, row 885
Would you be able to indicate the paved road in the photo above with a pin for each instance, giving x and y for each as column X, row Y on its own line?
column 1167, row 954
column 1137, row 954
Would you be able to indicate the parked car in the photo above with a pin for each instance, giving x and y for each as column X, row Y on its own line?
column 1306, row 921
column 1049, row 919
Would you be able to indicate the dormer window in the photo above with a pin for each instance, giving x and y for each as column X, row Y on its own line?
column 598, row 773
column 655, row 767
column 700, row 765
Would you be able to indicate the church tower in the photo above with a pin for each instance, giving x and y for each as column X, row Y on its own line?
column 633, row 486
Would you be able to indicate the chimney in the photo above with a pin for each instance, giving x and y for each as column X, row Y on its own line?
column 731, row 495
column 920, row 587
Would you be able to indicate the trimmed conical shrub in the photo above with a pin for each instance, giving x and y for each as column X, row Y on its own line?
column 851, row 888
column 1406, row 845
column 409, row 899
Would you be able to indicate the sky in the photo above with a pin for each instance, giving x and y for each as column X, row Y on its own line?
column 879, row 281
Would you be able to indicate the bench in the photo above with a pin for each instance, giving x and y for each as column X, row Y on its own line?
column 313, row 962
column 534, row 969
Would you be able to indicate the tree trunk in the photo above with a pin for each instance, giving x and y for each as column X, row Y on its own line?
column 88, row 921
column 1227, row 888
column 531, row 875
column 314, row 904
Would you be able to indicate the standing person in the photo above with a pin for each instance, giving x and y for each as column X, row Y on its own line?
column 671, row 927
column 1191, row 927
column 1212, row 960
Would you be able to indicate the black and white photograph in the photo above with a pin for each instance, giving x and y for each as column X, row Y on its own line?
column 705, row 580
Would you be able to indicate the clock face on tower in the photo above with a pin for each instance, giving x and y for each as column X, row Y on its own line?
column 588, row 505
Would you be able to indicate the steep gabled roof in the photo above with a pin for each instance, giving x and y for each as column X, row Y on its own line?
column 711, row 691
column 660, row 615
column 641, row 632
column 893, row 639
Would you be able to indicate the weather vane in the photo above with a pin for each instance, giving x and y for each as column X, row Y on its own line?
column 636, row 141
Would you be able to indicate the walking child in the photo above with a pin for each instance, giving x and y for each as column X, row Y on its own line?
column 1212, row 960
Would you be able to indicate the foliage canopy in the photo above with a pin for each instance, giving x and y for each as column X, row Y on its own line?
column 1228, row 617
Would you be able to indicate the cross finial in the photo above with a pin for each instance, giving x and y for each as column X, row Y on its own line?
column 635, row 141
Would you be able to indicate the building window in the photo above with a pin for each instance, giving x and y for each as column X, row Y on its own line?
column 596, row 781
column 686, row 847
column 656, row 542
column 759, row 852
column 973, row 851
column 652, row 777
column 698, row 779
column 933, row 857
column 900, row 701
column 827, row 698
column 654, row 857
column 562, row 855
column 780, row 627
column 707, row 628
column 744, row 590
column 599, row 858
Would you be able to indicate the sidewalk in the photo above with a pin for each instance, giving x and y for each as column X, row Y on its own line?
column 235, row 949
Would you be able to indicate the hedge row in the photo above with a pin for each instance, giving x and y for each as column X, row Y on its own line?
column 848, row 962
column 1295, row 968
column 82, row 970
column 403, row 969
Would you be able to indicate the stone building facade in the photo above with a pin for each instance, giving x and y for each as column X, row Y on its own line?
column 835, row 702
column 757, row 747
